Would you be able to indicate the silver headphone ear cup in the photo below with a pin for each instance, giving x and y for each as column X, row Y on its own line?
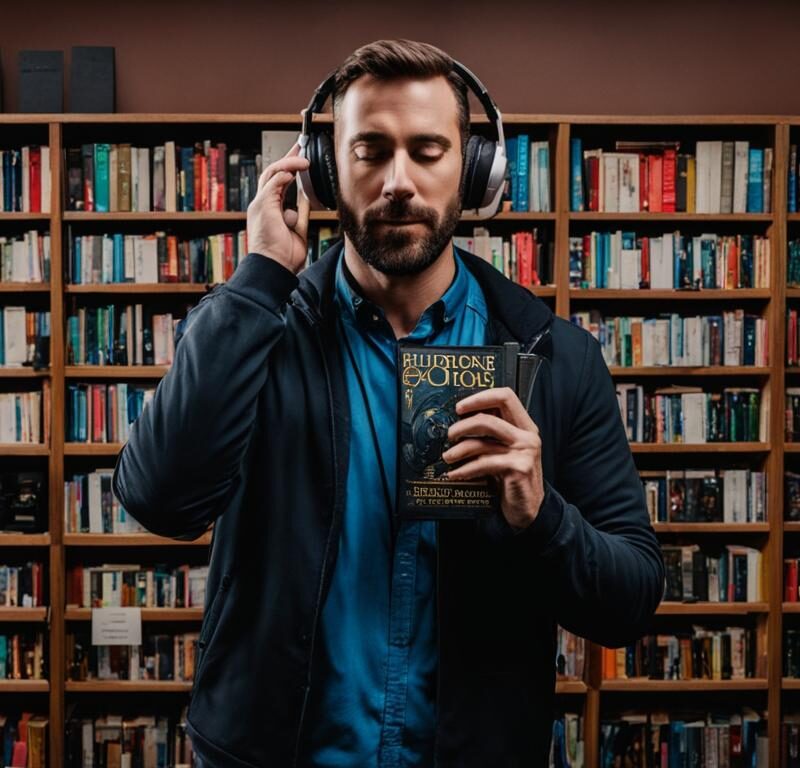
column 496, row 178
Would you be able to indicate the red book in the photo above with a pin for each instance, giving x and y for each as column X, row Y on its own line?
column 35, row 179
column 594, row 182
column 227, row 256
column 645, row 267
column 196, row 161
column 655, row 190
column 222, row 160
column 668, row 184
column 790, row 581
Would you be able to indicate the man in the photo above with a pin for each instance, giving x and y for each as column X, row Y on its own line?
column 326, row 641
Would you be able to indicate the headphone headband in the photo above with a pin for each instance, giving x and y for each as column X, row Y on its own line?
column 472, row 81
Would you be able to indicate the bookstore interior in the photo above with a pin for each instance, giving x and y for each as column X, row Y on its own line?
column 675, row 241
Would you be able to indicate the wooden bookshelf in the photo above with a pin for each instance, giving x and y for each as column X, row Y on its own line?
column 59, row 549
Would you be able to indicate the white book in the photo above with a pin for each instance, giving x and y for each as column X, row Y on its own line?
column 630, row 266
column 275, row 144
column 15, row 335
column 741, row 153
column 45, row 179
column 629, row 183
column 610, row 162
column 715, row 177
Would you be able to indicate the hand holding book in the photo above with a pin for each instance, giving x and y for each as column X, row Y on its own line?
column 512, row 455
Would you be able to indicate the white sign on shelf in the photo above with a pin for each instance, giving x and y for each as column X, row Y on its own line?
column 116, row 626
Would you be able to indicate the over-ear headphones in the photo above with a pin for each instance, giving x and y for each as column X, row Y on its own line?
column 484, row 162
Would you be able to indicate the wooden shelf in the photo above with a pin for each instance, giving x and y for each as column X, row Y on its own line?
column 92, row 449
column 665, row 294
column 668, row 217
column 724, row 528
column 709, row 608
column 8, row 287
column 740, row 447
column 24, row 449
column 131, row 540
column 23, row 614
column 643, row 685
column 571, row 687
column 73, row 613
column 115, row 371
column 24, row 216
column 688, row 370
column 24, row 540
column 126, row 686
column 24, row 686
column 168, row 288
column 23, row 372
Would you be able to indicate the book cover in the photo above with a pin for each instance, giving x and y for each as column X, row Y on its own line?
column 431, row 380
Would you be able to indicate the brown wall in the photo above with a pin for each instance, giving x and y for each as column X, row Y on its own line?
column 570, row 57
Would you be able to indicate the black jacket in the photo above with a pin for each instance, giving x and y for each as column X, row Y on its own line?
column 249, row 429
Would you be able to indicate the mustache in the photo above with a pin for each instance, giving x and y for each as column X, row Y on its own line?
column 399, row 210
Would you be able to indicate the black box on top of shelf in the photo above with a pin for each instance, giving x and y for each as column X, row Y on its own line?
column 92, row 87
column 41, row 81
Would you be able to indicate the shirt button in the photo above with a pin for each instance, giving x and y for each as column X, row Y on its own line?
column 375, row 317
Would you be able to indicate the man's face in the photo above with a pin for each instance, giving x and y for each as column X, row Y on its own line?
column 398, row 157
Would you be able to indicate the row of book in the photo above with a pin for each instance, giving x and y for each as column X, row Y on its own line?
column 791, row 652
column 706, row 496
column 205, row 176
column 792, row 339
column 24, row 337
column 732, row 574
column 22, row 655
column 22, row 586
column 687, row 414
column 25, row 180
column 25, row 416
column 700, row 654
column 102, row 413
column 90, row 506
column 567, row 742
column 623, row 259
column 129, row 334
column 161, row 656
column 570, row 655
column 720, row 177
column 127, row 741
column 527, row 185
column 701, row 740
column 137, row 586
column 25, row 258
column 23, row 740
column 730, row 338
column 525, row 257
column 157, row 257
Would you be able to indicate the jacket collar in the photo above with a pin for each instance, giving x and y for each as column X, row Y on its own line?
column 515, row 314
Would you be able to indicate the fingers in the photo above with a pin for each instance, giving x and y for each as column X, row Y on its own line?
column 503, row 398
column 483, row 425
column 488, row 464
column 471, row 447
column 289, row 162
column 303, row 213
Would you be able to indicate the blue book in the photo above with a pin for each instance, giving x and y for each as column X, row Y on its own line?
column 511, row 155
column 77, row 275
column 523, row 166
column 793, row 179
column 101, row 177
column 576, row 200
column 755, row 181
column 118, row 269
column 187, row 166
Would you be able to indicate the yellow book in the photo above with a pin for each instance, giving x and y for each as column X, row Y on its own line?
column 691, row 192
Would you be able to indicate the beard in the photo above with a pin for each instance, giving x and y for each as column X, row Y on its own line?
column 400, row 250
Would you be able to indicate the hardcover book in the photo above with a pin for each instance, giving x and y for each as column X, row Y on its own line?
column 431, row 380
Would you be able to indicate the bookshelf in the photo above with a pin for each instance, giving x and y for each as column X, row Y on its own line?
column 592, row 697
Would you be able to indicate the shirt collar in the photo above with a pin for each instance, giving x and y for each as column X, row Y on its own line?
column 370, row 315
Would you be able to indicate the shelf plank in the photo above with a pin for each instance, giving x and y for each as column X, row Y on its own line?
column 645, row 685
column 571, row 686
column 20, row 287
column 660, row 216
column 24, row 539
column 126, row 686
column 24, row 449
column 23, row 614
column 689, row 370
column 169, row 288
column 131, row 540
column 24, row 686
column 24, row 216
column 73, row 613
column 22, row 372
column 92, row 449
column 711, row 527
column 115, row 371
column 740, row 447
column 645, row 294
column 790, row 683
column 708, row 608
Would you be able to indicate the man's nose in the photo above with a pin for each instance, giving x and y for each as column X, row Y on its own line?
column 398, row 183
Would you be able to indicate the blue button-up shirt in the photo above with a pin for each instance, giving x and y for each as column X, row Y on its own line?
column 374, row 698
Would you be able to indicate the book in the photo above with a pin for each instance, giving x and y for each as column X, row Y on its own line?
column 431, row 381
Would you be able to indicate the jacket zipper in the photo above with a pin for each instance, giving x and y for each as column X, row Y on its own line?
column 327, row 542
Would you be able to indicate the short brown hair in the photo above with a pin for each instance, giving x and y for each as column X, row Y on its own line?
column 390, row 59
